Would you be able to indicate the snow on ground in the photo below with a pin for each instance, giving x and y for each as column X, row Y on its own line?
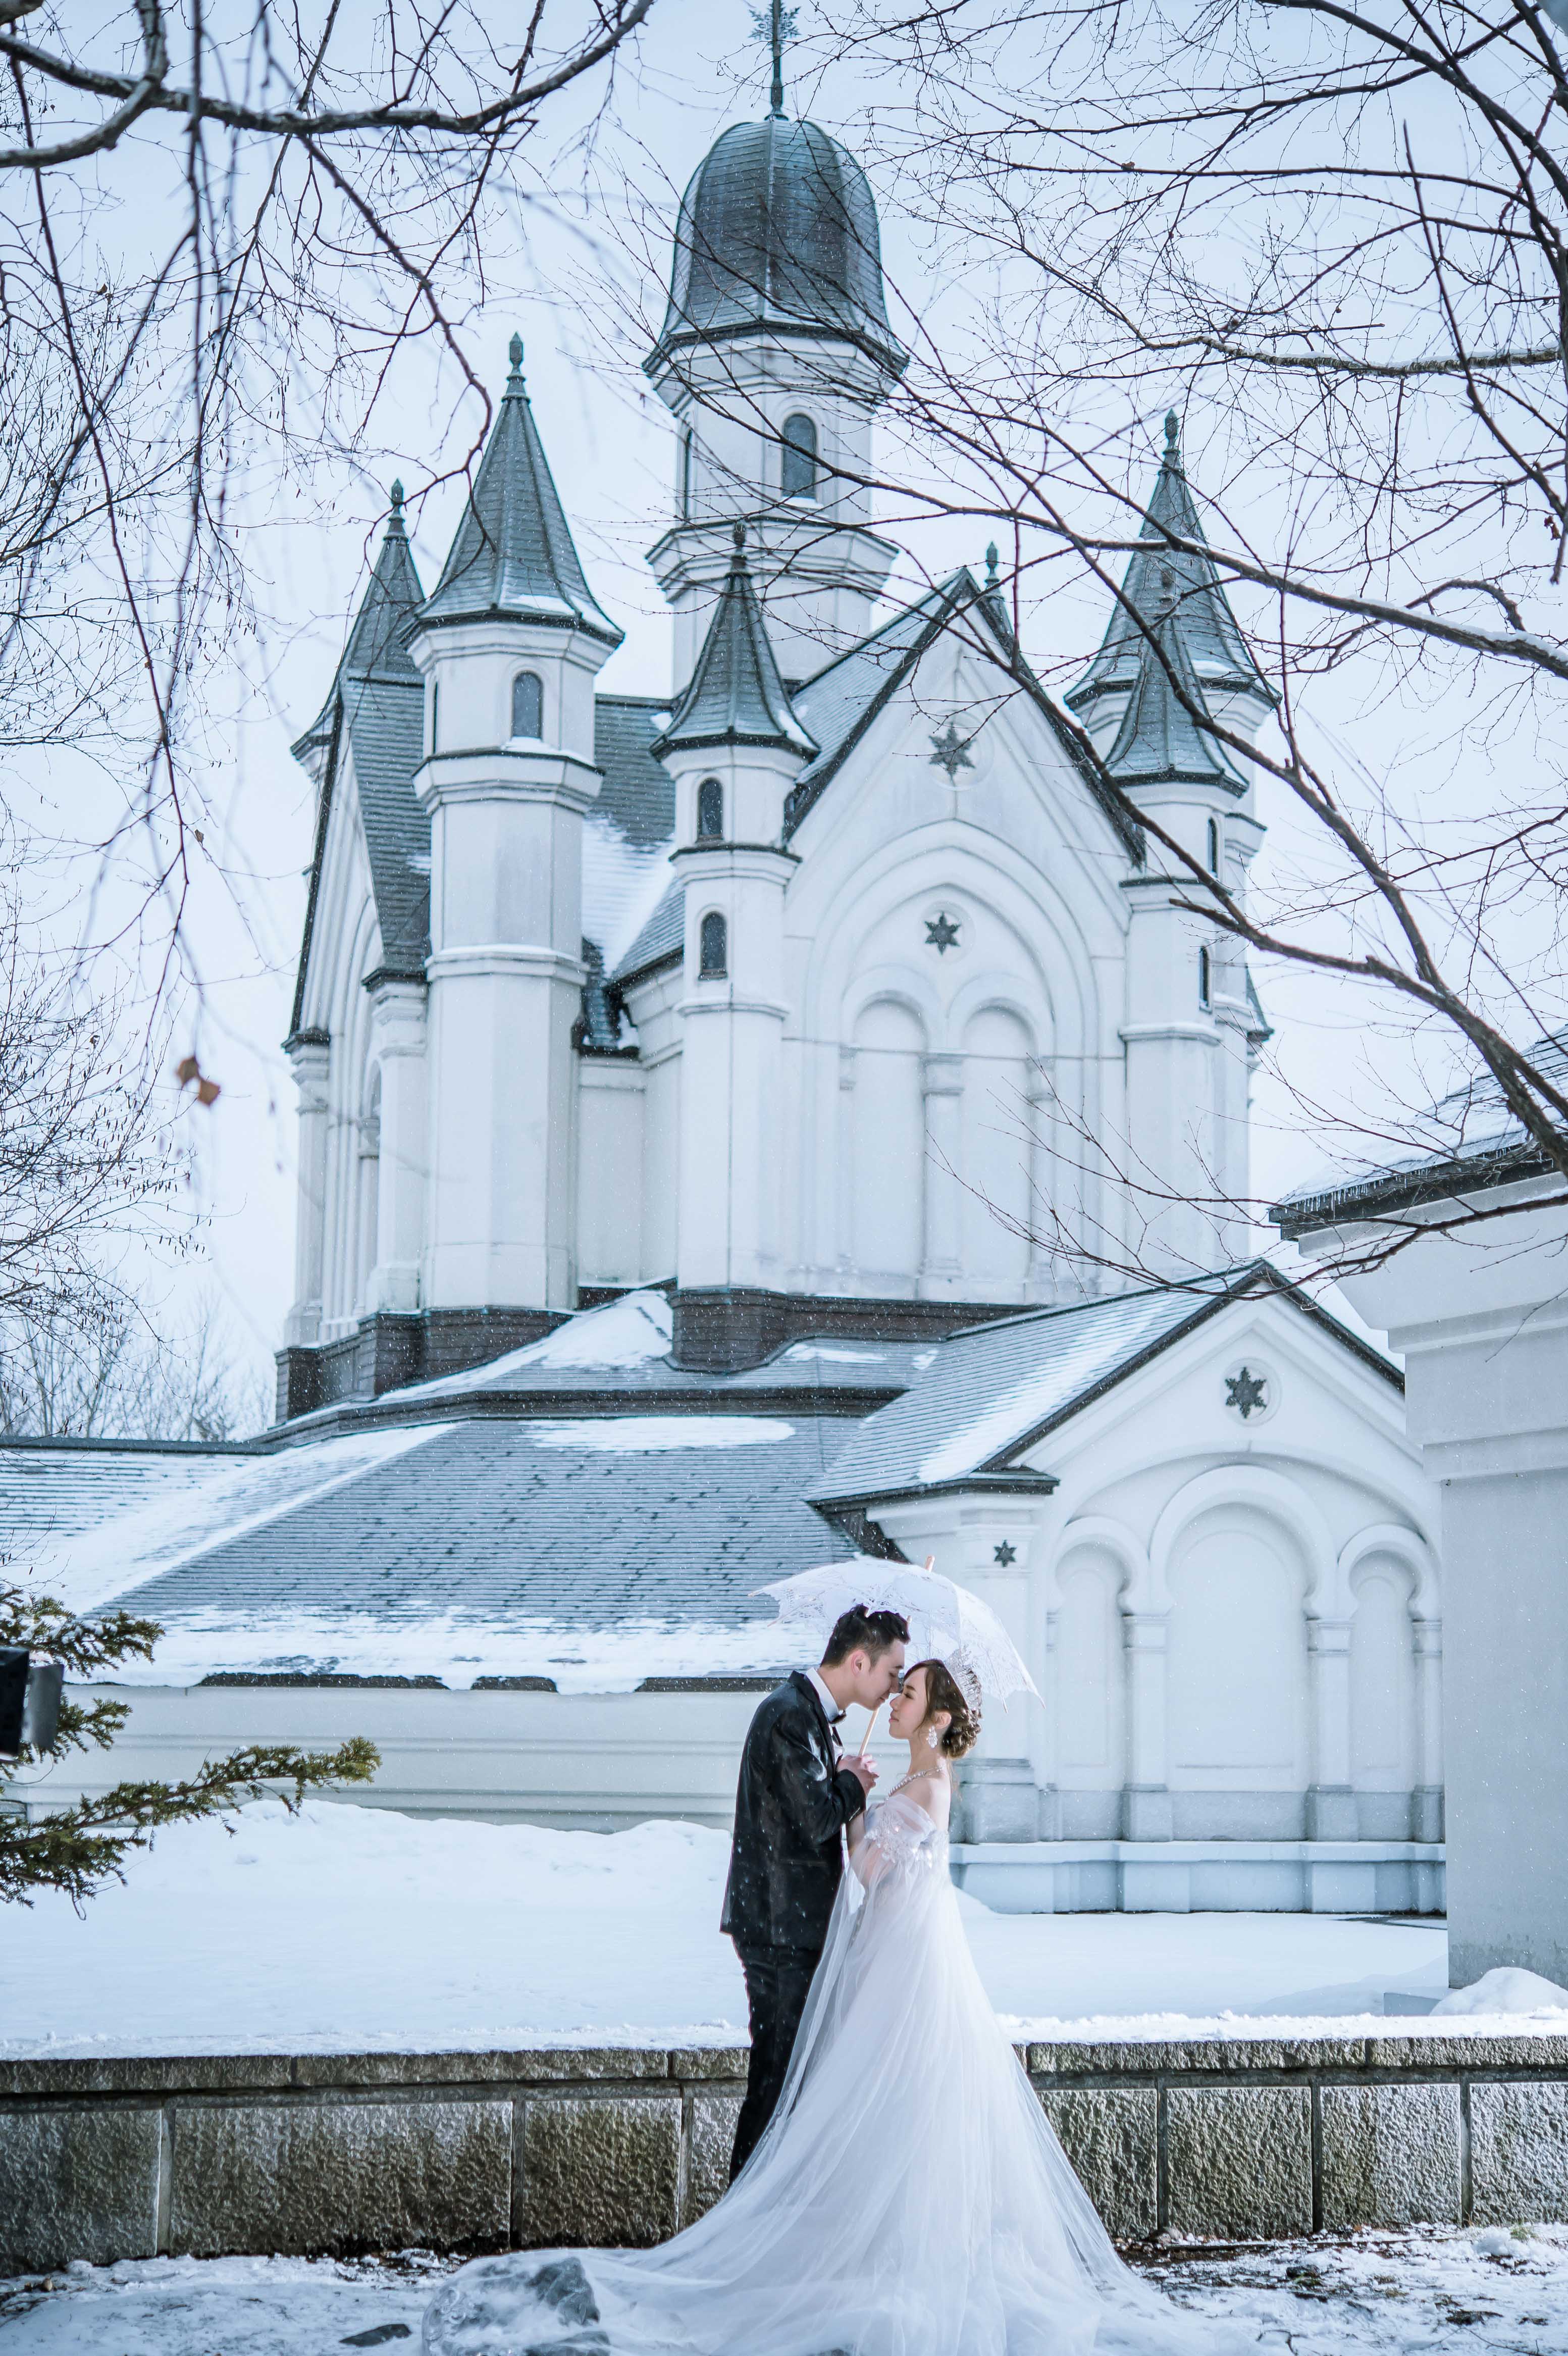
column 350, row 1929
column 1362, row 2295
column 1506, row 1989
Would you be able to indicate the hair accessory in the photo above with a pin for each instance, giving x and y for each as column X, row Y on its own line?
column 965, row 1676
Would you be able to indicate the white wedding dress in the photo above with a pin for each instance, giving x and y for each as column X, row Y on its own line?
column 907, row 2199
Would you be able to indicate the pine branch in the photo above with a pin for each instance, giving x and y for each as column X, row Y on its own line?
column 43, row 1625
column 79, row 1849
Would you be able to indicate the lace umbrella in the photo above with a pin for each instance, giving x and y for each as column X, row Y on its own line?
column 947, row 1622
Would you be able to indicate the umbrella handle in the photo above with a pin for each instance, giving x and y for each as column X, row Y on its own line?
column 871, row 1721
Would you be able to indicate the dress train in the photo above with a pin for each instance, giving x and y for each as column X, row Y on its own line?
column 907, row 2199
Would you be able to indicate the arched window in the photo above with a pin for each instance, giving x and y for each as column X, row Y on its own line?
column 711, row 811
column 686, row 475
column 714, row 961
column 799, row 458
column 527, row 704
column 1213, row 846
column 1202, row 977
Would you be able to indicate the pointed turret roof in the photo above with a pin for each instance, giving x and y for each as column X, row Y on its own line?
column 735, row 695
column 514, row 554
column 1220, row 654
column 1158, row 740
column 374, row 716
column 377, row 642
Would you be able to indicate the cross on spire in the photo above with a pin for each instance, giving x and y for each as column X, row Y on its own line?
column 775, row 25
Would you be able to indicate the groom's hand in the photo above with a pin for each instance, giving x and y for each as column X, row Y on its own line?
column 862, row 1768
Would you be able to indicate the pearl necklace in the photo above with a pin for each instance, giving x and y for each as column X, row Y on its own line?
column 915, row 1775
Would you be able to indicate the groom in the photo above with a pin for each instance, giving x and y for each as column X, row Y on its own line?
column 795, row 1798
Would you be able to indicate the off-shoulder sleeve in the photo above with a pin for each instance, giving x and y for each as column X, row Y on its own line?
column 900, row 1838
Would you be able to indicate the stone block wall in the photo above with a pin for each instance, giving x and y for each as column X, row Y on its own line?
column 313, row 2153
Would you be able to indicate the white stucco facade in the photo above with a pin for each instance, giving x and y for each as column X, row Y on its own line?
column 959, row 1021
column 1479, row 1311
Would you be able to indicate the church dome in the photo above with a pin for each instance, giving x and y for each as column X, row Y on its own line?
column 778, row 230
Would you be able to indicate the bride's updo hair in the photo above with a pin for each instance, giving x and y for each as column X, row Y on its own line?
column 942, row 1692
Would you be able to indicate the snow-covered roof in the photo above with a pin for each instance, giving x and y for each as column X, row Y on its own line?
column 1471, row 1141
column 88, row 1521
column 595, row 1550
column 993, row 1386
column 994, row 1391
column 621, row 1353
column 661, row 939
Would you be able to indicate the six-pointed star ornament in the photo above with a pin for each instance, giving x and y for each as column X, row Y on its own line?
column 1246, row 1391
column 951, row 751
column 941, row 933
column 1006, row 1553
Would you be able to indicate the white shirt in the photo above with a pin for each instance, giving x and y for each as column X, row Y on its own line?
column 826, row 1698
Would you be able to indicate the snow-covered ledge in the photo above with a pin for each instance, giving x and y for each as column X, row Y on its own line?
column 1244, row 2137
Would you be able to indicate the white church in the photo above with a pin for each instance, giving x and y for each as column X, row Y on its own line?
column 698, row 1099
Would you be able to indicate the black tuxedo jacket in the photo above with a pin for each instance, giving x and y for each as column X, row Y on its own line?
column 792, row 1804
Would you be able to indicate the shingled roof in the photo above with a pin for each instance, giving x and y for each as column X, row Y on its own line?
column 1160, row 737
column 514, row 554
column 452, row 1549
column 735, row 694
column 375, row 710
column 995, row 1391
column 1219, row 652
column 1468, row 1142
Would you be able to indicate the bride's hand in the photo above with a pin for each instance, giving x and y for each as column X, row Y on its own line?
column 858, row 1765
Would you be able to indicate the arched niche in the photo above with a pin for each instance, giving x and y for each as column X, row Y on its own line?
column 887, row 1156
column 1383, row 1675
column 997, row 1208
column 1087, row 1674
column 1237, row 1688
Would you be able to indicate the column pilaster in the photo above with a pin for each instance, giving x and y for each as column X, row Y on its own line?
column 1146, row 1795
column 1427, row 1809
column 943, row 1264
column 1330, row 1802
column 310, row 1058
column 397, row 1044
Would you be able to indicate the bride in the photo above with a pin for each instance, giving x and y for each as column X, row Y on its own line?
column 908, row 2198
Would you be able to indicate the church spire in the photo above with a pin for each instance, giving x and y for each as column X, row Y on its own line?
column 514, row 557
column 1202, row 617
column 377, row 642
column 775, row 25
column 736, row 695
column 1159, row 740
